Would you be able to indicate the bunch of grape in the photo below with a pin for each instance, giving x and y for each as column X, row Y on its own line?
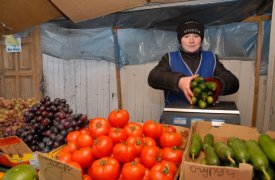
column 203, row 92
column 11, row 114
column 47, row 123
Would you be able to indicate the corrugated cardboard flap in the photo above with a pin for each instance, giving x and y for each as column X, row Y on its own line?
column 167, row 1
column 271, row 133
column 226, row 130
column 53, row 169
column 14, row 145
column 16, row 16
column 83, row 10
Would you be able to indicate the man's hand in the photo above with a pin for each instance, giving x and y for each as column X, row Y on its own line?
column 184, row 86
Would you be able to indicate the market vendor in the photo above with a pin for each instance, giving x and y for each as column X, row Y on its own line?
column 176, row 70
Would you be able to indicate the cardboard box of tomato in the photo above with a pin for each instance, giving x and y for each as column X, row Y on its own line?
column 51, row 167
column 193, row 169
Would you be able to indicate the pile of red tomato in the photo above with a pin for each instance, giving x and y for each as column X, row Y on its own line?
column 116, row 148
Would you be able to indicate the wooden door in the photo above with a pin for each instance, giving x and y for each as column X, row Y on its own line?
column 20, row 72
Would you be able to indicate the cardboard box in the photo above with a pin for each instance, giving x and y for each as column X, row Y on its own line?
column 167, row 1
column 24, row 14
column 83, row 10
column 193, row 170
column 51, row 168
column 14, row 151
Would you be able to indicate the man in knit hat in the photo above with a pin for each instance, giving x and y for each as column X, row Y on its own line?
column 176, row 70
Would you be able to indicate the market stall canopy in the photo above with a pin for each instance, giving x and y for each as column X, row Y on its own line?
column 23, row 14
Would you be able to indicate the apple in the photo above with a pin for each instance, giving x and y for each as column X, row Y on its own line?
column 21, row 172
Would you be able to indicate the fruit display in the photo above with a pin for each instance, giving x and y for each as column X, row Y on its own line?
column 11, row 114
column 203, row 92
column 47, row 123
column 21, row 172
column 116, row 148
column 260, row 154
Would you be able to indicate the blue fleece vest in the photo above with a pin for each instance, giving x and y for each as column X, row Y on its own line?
column 205, row 69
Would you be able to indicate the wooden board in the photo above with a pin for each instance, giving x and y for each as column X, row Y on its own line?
column 20, row 73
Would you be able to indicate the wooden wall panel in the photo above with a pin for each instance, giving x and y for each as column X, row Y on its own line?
column 244, row 70
column 10, row 87
column 142, row 101
column 87, row 85
column 261, row 103
column 26, row 84
column 21, row 69
column 25, row 59
column 9, row 60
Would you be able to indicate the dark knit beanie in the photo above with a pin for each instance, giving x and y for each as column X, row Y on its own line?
column 190, row 26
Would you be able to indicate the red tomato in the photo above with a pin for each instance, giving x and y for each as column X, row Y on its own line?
column 71, row 136
column 124, row 152
column 148, row 141
column 99, row 126
column 168, row 128
column 105, row 168
column 149, row 156
column 84, row 157
column 146, row 175
column 86, row 177
column 102, row 146
column 118, row 118
column 137, row 142
column 64, row 156
column 70, row 147
column 120, row 176
column 161, row 171
column 84, row 130
column 133, row 128
column 171, row 165
column 152, row 129
column 117, row 135
column 84, row 140
column 133, row 171
column 137, row 160
column 170, row 139
column 172, row 154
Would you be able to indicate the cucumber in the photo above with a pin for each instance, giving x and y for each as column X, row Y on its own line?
column 241, row 154
column 270, row 172
column 230, row 164
column 268, row 146
column 208, row 141
column 203, row 161
column 196, row 145
column 211, row 157
column 257, row 157
column 224, row 152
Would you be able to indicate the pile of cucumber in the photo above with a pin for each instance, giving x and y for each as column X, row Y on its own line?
column 260, row 154
column 203, row 92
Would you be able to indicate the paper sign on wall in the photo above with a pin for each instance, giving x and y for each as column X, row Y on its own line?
column 13, row 44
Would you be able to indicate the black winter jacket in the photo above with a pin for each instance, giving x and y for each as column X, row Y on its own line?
column 161, row 76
